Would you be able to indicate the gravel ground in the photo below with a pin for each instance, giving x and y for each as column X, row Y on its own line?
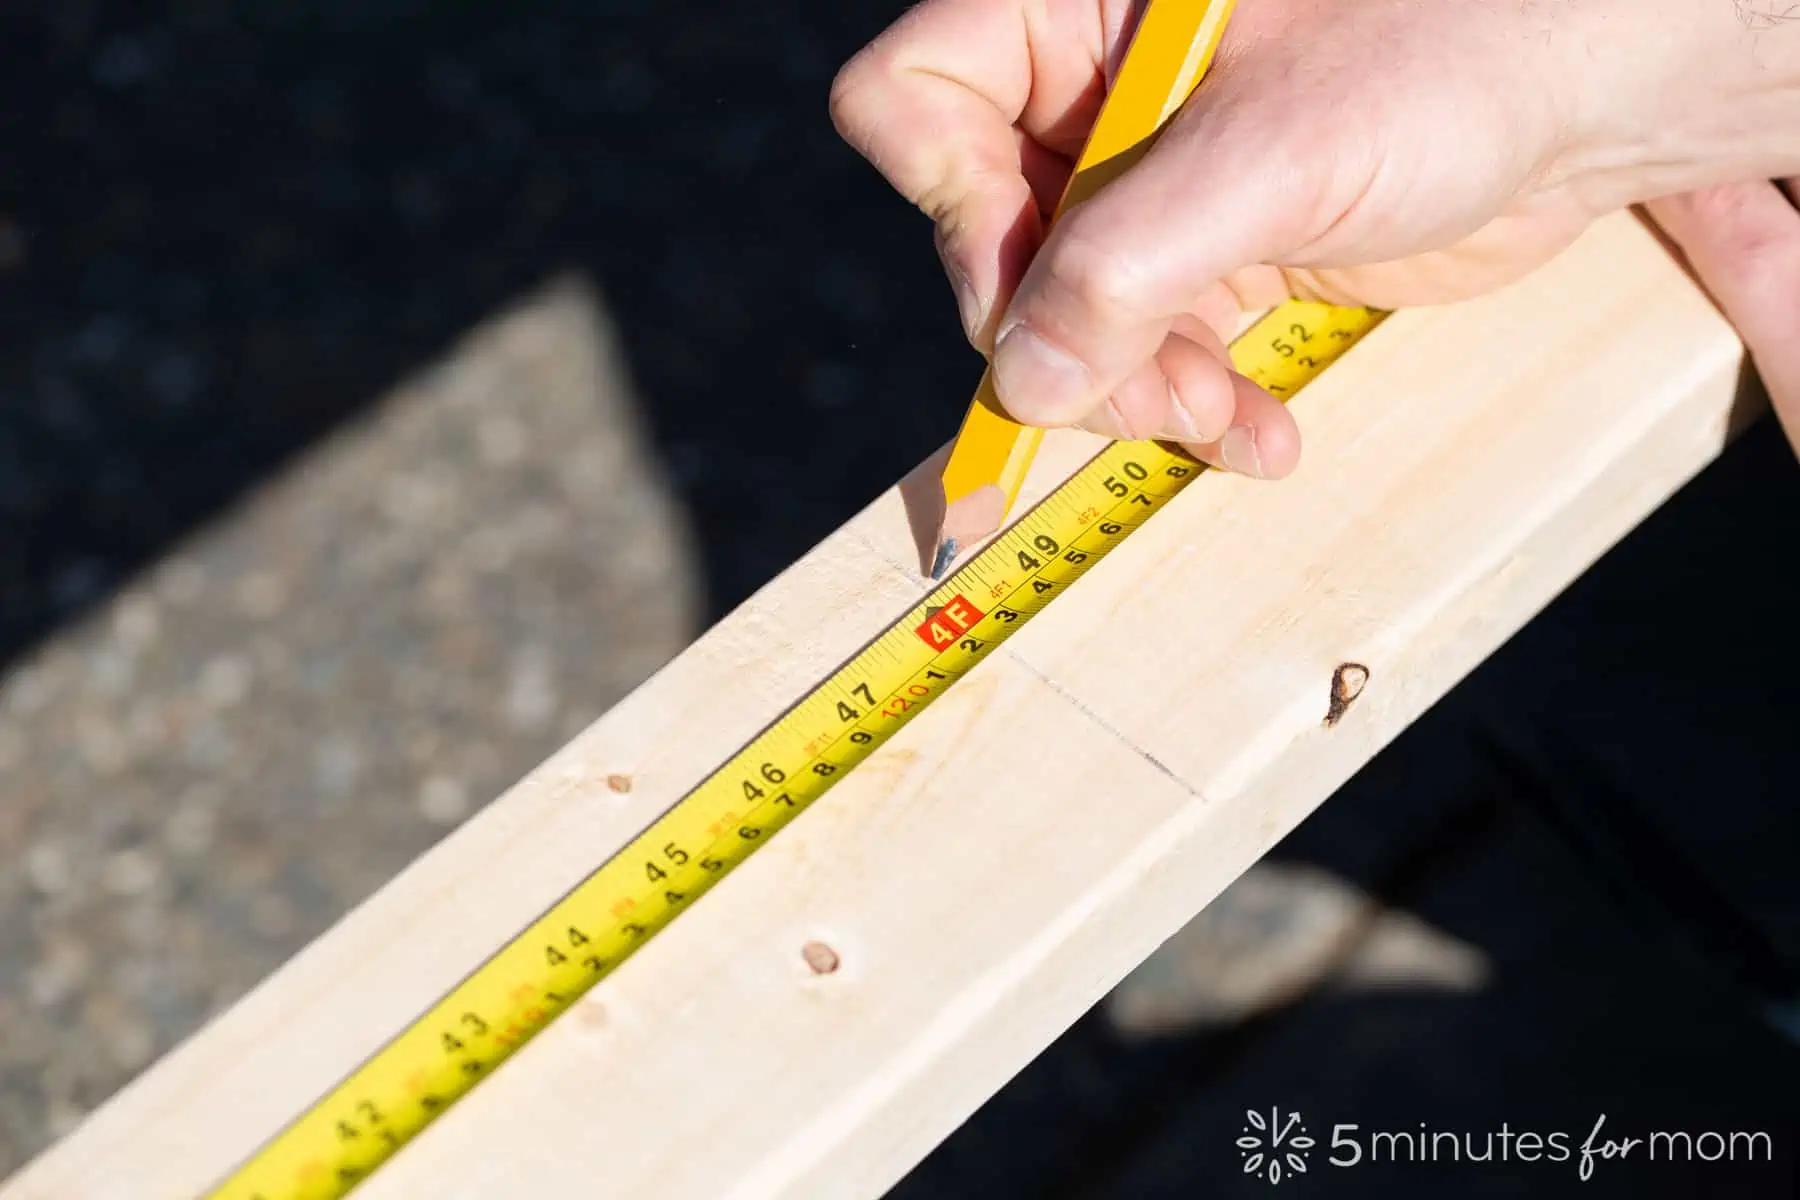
column 244, row 242
column 253, row 736
column 385, row 388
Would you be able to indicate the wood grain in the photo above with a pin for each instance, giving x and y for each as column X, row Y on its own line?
column 995, row 869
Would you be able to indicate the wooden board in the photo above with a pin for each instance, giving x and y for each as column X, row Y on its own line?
column 988, row 875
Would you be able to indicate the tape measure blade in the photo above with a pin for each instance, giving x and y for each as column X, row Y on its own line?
column 790, row 763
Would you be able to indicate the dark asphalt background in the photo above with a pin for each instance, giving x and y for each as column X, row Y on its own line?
column 225, row 228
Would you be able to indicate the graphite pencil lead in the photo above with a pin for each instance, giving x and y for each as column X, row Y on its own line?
column 946, row 554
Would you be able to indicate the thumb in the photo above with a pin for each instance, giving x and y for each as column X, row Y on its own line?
column 1226, row 186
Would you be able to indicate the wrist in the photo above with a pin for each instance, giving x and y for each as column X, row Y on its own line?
column 1675, row 95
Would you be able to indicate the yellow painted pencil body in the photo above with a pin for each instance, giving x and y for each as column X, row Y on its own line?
column 1170, row 52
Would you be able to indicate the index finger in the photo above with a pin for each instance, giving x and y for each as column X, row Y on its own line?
column 956, row 103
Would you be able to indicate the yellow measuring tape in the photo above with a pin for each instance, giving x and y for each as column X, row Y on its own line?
column 459, row 1041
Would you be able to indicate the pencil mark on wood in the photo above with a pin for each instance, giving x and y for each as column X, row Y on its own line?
column 1347, row 683
column 1082, row 708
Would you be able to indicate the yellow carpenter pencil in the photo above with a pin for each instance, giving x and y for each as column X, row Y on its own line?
column 1170, row 52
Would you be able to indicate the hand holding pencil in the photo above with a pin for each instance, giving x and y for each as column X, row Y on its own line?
column 1357, row 152
column 1171, row 50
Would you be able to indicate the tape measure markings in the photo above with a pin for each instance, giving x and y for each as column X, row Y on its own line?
column 476, row 1025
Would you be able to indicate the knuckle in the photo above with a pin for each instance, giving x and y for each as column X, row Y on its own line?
column 1744, row 222
column 1099, row 276
column 855, row 96
column 1721, row 206
column 875, row 105
column 1745, row 242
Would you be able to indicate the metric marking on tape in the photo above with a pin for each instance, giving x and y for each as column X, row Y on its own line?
column 449, row 1049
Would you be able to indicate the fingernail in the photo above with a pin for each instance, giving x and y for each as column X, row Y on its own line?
column 1238, row 449
column 968, row 303
column 1039, row 383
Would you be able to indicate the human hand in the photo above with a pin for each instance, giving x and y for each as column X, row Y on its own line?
column 1743, row 241
column 1353, row 151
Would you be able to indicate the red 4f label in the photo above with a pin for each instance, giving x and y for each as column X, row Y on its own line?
column 942, row 626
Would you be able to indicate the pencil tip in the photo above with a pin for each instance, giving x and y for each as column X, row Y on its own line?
column 946, row 554
column 968, row 521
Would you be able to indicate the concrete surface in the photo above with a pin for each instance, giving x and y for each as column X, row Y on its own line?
column 248, row 739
